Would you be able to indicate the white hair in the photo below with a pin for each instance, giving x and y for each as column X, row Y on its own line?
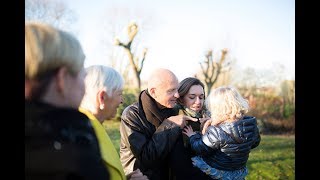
column 98, row 78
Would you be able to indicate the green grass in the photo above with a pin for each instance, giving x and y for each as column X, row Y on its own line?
column 112, row 127
column 273, row 159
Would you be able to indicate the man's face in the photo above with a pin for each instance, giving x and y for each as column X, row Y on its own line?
column 167, row 93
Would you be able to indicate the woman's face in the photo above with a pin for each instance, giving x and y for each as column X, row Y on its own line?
column 75, row 89
column 194, row 99
column 112, row 103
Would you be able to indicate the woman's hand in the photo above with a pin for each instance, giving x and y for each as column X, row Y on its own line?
column 206, row 125
column 188, row 131
column 137, row 175
column 203, row 120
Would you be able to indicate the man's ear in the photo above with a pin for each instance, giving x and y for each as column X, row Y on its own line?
column 152, row 92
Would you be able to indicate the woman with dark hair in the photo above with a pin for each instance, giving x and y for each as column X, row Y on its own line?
column 222, row 149
column 192, row 103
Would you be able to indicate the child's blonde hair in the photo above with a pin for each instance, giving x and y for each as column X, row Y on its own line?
column 226, row 104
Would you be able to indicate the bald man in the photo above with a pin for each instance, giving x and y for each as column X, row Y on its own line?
column 151, row 132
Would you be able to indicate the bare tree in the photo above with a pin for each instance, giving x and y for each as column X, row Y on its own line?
column 211, row 69
column 115, row 19
column 135, row 62
column 53, row 12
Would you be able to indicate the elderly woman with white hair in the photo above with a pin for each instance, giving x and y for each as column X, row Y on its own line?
column 103, row 95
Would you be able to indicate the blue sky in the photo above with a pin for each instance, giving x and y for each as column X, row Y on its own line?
column 258, row 33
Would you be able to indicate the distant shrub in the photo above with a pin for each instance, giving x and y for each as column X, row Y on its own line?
column 277, row 126
column 289, row 111
column 274, row 114
column 130, row 96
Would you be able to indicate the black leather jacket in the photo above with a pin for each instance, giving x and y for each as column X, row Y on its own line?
column 145, row 146
column 227, row 146
column 60, row 143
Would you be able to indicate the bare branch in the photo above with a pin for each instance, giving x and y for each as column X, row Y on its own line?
column 52, row 12
column 212, row 69
column 132, row 31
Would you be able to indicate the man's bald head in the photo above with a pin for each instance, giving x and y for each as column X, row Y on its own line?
column 159, row 77
column 163, row 87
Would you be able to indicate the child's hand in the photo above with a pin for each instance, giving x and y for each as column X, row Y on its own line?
column 188, row 131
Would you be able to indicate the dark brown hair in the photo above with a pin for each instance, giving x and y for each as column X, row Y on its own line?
column 185, row 85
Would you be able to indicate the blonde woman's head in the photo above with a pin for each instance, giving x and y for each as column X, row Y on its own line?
column 47, row 50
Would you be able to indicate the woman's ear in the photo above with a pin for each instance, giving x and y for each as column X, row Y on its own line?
column 100, row 98
column 60, row 79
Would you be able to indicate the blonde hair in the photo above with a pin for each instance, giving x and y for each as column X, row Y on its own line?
column 226, row 104
column 48, row 48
